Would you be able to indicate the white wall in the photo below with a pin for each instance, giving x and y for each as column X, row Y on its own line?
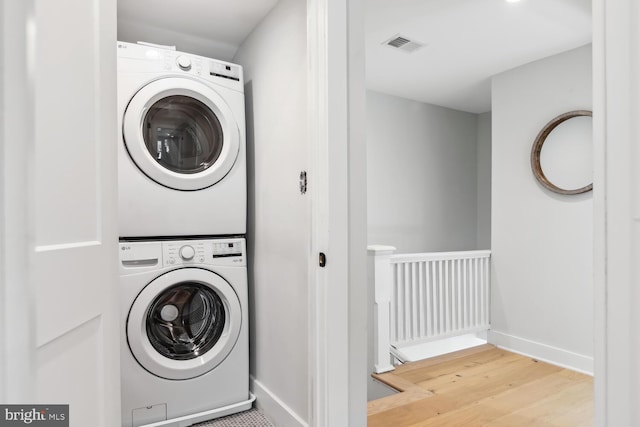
column 542, row 242
column 134, row 31
column 274, row 58
column 421, row 175
column 484, row 181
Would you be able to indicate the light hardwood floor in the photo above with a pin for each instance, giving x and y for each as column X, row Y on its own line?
column 484, row 386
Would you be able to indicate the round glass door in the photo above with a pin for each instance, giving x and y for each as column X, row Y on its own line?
column 181, row 134
column 184, row 323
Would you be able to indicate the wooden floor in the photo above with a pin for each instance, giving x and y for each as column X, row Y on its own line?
column 483, row 386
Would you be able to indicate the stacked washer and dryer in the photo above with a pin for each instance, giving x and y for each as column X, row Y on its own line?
column 182, row 219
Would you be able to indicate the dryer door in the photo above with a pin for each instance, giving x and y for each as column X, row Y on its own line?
column 181, row 133
column 184, row 323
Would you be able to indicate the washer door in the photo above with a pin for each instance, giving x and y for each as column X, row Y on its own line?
column 184, row 323
column 181, row 134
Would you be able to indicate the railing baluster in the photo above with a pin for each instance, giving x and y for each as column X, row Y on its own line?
column 399, row 304
column 463, row 296
column 433, row 309
column 483, row 305
column 478, row 293
column 470, row 290
column 454, row 294
column 407, row 302
column 421, row 299
column 439, row 298
column 428, row 307
column 487, row 291
column 415, row 333
column 447, row 297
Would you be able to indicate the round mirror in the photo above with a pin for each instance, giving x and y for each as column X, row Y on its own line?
column 561, row 157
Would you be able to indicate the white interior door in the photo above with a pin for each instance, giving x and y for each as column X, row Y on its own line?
column 59, row 211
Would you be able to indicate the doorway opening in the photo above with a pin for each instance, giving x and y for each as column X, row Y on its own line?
column 450, row 130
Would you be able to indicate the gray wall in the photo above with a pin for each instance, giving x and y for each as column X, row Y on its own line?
column 274, row 58
column 421, row 175
column 542, row 243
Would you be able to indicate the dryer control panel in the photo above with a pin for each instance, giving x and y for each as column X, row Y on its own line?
column 147, row 57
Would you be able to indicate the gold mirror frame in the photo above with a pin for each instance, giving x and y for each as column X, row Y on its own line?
column 537, row 148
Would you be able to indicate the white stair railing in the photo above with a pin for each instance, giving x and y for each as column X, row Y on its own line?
column 425, row 297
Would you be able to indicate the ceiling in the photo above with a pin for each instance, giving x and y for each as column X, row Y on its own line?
column 467, row 41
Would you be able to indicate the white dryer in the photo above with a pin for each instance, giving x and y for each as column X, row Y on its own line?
column 181, row 144
column 184, row 346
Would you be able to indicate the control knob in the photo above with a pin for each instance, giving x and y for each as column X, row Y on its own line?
column 184, row 62
column 187, row 252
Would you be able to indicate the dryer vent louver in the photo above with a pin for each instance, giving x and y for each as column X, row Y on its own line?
column 403, row 43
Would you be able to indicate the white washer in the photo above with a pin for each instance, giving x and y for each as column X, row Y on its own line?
column 181, row 144
column 184, row 346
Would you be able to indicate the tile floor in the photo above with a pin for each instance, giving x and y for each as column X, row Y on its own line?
column 250, row 418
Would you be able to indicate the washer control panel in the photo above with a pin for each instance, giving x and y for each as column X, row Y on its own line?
column 227, row 249
column 145, row 255
column 231, row 251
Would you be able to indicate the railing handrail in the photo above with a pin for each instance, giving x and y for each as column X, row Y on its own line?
column 437, row 256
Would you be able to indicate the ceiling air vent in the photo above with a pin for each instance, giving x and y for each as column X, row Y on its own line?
column 403, row 43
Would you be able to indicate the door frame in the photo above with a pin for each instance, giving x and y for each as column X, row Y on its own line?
column 334, row 123
column 616, row 67
column 337, row 182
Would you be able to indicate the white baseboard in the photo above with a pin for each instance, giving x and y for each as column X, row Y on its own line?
column 273, row 408
column 546, row 353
